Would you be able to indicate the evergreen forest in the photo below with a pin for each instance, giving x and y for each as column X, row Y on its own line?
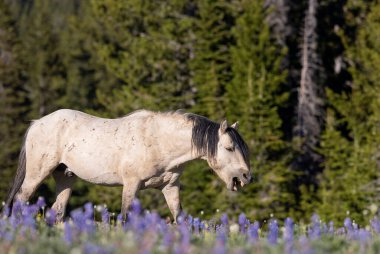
column 302, row 77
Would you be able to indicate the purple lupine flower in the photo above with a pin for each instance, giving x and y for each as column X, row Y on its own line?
column 180, row 220
column 349, row 228
column 83, row 221
column 168, row 239
column 196, row 225
column 91, row 248
column 77, row 217
column 253, row 232
column 136, row 206
column 325, row 230
column 105, row 215
column 190, row 220
column 289, row 230
column 273, row 232
column 202, row 226
column 331, row 228
column 315, row 230
column 41, row 202
column 185, row 239
column 242, row 222
column 221, row 233
column 89, row 211
column 341, row 231
column 364, row 236
column 68, row 234
column 16, row 216
column 51, row 216
column 289, row 235
column 305, row 245
column 28, row 217
column 6, row 211
column 348, row 224
column 224, row 219
column 219, row 247
column 119, row 219
column 375, row 223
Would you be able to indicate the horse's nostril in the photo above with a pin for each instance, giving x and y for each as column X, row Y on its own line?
column 245, row 176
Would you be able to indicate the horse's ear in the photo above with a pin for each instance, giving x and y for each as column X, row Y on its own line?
column 235, row 125
column 223, row 127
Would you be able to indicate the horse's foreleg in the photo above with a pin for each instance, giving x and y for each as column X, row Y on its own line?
column 63, row 191
column 130, row 188
column 171, row 193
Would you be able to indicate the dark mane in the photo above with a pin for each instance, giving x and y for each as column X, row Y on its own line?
column 205, row 137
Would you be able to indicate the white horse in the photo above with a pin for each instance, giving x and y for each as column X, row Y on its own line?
column 141, row 150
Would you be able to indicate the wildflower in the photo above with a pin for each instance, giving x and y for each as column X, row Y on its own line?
column 180, row 220
column 273, row 232
column 375, row 223
column 167, row 240
column 315, row 230
column 289, row 228
column 88, row 211
column 253, row 232
column 136, row 206
column 331, row 228
column 119, row 219
column 190, row 220
column 305, row 245
column 185, row 239
column 242, row 222
column 105, row 216
column 41, row 202
column 196, row 225
column 219, row 247
column 68, row 235
column 234, row 228
column 202, row 225
column 51, row 216
column 91, row 248
column 224, row 219
column 221, row 233
column 288, row 235
column 348, row 225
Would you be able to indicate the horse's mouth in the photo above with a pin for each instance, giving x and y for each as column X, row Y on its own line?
column 236, row 183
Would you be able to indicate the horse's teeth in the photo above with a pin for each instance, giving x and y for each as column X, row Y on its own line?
column 242, row 184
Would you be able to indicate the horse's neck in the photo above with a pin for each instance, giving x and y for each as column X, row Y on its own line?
column 181, row 144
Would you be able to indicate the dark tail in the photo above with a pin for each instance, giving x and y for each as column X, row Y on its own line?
column 20, row 174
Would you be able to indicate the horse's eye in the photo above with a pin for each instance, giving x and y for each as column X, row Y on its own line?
column 230, row 149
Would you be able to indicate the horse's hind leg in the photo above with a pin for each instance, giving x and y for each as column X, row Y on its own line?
column 64, row 184
column 33, row 179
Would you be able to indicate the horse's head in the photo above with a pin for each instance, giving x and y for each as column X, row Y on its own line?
column 231, row 160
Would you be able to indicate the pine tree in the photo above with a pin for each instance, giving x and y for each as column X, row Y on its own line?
column 13, row 97
column 140, row 55
column 357, row 132
column 211, row 61
column 254, row 97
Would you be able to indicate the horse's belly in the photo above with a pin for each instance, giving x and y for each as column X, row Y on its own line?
column 107, row 178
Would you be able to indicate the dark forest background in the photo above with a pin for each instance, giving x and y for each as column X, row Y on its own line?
column 302, row 77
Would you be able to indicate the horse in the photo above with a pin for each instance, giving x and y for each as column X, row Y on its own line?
column 143, row 149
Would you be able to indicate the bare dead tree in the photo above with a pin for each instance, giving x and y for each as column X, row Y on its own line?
column 278, row 19
column 309, row 112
